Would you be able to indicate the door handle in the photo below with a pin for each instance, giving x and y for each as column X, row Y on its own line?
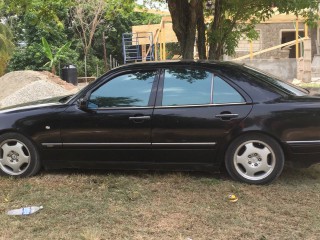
column 227, row 116
column 140, row 118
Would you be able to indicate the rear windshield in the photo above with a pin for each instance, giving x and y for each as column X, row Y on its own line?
column 274, row 81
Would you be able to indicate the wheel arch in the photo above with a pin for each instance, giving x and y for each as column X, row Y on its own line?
column 264, row 163
column 26, row 161
column 12, row 130
column 233, row 137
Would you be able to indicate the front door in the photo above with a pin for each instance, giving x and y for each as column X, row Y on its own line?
column 117, row 126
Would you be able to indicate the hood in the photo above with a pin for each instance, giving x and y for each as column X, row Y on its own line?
column 39, row 103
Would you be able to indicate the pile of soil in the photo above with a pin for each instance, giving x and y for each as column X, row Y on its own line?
column 26, row 86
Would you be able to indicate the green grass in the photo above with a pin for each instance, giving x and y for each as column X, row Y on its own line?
column 144, row 205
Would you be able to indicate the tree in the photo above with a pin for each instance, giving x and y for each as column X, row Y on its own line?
column 115, row 26
column 54, row 57
column 6, row 47
column 53, row 20
column 232, row 19
column 186, row 17
column 236, row 18
column 32, row 20
column 87, row 15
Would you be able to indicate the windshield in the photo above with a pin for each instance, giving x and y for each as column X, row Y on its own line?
column 274, row 81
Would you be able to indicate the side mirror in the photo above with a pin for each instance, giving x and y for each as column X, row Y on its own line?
column 83, row 104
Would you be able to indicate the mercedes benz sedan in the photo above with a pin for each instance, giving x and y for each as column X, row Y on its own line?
column 168, row 115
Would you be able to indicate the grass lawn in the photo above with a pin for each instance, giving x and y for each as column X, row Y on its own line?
column 149, row 205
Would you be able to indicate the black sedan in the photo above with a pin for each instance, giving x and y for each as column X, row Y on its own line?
column 168, row 115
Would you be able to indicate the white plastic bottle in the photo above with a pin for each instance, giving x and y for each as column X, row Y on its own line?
column 24, row 211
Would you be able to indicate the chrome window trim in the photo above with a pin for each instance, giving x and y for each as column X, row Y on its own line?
column 211, row 93
column 202, row 105
column 120, row 108
column 179, row 106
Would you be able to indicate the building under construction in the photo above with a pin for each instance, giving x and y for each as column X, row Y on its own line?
column 283, row 39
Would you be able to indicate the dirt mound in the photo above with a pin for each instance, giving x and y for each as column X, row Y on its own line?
column 59, row 81
column 25, row 86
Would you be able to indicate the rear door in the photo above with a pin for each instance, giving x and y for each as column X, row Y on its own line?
column 195, row 110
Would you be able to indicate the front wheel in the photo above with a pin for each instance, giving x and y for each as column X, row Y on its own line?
column 254, row 159
column 18, row 156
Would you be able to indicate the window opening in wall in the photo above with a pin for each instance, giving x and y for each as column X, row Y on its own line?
column 288, row 36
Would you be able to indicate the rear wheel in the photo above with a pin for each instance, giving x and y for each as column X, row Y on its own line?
column 18, row 156
column 255, row 159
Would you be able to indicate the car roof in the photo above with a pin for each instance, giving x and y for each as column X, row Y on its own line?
column 199, row 63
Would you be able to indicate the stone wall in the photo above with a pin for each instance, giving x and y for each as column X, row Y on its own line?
column 285, row 69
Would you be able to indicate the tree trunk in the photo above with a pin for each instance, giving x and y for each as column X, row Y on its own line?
column 85, row 67
column 201, row 28
column 184, row 22
column 104, row 52
column 53, row 69
column 216, row 50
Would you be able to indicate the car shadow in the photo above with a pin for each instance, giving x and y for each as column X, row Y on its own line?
column 136, row 173
column 290, row 175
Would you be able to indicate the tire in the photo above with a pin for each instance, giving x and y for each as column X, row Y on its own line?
column 18, row 156
column 254, row 159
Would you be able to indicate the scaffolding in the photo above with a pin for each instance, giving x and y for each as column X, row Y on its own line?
column 138, row 47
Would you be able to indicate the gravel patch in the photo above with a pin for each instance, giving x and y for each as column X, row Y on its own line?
column 35, row 91
column 27, row 86
column 13, row 81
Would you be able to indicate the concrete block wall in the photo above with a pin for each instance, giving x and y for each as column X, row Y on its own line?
column 285, row 69
column 270, row 36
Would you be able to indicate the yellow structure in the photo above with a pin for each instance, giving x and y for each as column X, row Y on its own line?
column 163, row 33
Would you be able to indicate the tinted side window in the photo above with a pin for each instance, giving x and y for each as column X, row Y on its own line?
column 128, row 90
column 186, row 87
column 224, row 93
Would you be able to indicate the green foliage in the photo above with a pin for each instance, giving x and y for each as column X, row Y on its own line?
column 238, row 18
column 46, row 48
column 233, row 19
column 31, row 21
column 6, row 47
column 32, row 57
column 27, row 58
column 34, row 20
column 95, row 65
column 54, row 58
column 44, row 11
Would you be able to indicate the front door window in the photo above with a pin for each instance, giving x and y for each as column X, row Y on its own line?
column 127, row 90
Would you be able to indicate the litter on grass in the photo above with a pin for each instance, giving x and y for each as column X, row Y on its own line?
column 232, row 198
column 24, row 211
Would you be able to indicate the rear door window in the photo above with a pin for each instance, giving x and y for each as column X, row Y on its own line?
column 224, row 93
column 186, row 87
